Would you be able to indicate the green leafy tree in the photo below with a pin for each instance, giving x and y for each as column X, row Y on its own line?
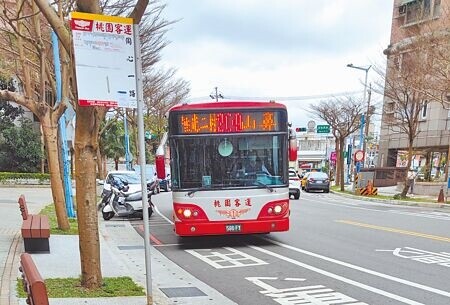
column 8, row 112
column 111, row 142
column 21, row 149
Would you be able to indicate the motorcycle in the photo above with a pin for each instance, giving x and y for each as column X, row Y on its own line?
column 124, row 204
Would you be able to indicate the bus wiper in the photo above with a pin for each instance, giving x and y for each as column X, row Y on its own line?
column 190, row 193
column 265, row 185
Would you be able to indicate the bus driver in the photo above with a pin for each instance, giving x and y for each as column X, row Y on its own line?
column 254, row 165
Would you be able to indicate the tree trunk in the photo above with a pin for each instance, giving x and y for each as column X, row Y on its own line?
column 438, row 169
column 105, row 170
column 86, row 146
column 99, row 164
column 408, row 166
column 428, row 166
column 341, row 162
column 50, row 133
column 42, row 151
column 337, row 177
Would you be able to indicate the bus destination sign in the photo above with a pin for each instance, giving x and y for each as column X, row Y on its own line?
column 228, row 122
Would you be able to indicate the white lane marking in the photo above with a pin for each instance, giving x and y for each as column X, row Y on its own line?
column 422, row 214
column 338, row 277
column 315, row 294
column 423, row 256
column 230, row 258
column 368, row 271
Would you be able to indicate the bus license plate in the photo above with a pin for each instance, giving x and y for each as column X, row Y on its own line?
column 233, row 228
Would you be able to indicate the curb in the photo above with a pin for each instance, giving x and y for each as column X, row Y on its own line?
column 9, row 276
column 395, row 202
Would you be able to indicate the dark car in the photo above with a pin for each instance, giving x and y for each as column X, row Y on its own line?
column 318, row 181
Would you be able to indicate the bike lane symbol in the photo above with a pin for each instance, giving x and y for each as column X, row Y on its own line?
column 303, row 294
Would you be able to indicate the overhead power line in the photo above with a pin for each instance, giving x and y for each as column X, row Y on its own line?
column 281, row 98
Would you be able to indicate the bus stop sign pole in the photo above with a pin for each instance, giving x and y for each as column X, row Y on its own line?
column 141, row 138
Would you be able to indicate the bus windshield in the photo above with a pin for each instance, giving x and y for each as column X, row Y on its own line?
column 229, row 161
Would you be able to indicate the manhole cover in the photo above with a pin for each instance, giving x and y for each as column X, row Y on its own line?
column 182, row 292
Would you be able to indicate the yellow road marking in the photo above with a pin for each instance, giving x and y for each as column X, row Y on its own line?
column 365, row 225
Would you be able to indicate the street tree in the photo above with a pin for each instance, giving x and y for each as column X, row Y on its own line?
column 88, row 120
column 111, row 143
column 343, row 115
column 25, row 43
column 162, row 90
column 417, row 74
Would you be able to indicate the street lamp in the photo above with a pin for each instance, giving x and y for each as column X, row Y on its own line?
column 362, row 142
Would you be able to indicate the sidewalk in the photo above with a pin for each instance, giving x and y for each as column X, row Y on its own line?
column 391, row 191
column 122, row 254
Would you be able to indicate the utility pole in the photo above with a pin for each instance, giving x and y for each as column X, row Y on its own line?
column 362, row 117
column 366, row 128
column 216, row 95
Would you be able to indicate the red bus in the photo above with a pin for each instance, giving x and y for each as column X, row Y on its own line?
column 229, row 167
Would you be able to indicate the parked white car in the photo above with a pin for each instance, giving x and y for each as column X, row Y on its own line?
column 294, row 184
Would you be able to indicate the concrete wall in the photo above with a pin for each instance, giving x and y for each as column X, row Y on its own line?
column 425, row 188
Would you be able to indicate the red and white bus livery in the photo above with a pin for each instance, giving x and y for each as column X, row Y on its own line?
column 229, row 167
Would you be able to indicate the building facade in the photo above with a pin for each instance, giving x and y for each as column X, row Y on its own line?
column 314, row 149
column 433, row 140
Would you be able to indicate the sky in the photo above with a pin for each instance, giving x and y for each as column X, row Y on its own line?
column 293, row 51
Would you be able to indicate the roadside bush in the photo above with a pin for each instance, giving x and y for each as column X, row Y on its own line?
column 20, row 148
column 11, row 176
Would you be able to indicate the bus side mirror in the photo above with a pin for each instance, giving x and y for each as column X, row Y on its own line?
column 292, row 145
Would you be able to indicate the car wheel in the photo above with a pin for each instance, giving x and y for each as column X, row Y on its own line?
column 326, row 191
column 297, row 196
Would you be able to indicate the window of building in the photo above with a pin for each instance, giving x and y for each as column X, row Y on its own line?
column 415, row 11
column 424, row 110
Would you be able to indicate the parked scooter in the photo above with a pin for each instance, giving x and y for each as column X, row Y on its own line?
column 121, row 203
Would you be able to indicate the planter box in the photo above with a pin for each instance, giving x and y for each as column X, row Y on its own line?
column 425, row 188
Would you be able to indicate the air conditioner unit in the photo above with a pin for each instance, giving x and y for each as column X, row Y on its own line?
column 402, row 9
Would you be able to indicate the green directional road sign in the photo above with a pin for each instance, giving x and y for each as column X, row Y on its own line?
column 323, row 128
column 149, row 135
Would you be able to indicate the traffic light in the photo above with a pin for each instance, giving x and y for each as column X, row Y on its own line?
column 300, row 129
